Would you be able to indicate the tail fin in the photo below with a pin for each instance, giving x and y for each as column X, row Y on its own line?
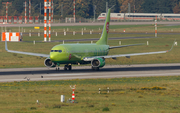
column 104, row 35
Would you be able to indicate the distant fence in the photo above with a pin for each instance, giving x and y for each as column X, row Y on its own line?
column 36, row 20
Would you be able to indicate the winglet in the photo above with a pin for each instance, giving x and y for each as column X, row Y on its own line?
column 172, row 46
column 6, row 45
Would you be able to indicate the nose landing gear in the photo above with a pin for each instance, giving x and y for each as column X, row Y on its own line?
column 57, row 67
column 67, row 67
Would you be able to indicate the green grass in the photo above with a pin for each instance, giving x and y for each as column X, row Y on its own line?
column 117, row 28
column 10, row 60
column 126, row 95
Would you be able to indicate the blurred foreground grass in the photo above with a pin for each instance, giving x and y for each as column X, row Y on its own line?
column 143, row 94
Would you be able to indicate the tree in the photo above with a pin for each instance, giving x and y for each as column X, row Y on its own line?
column 117, row 6
column 155, row 6
column 90, row 9
column 176, row 9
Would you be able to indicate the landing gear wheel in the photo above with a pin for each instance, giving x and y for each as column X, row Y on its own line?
column 70, row 67
column 57, row 68
column 95, row 68
column 65, row 67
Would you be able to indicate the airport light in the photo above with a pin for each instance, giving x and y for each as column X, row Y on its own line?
column 94, row 12
column 49, row 20
column 156, row 27
column 52, row 11
column 6, row 8
column 73, row 95
column 25, row 12
column 29, row 9
column 45, row 19
column 74, row 11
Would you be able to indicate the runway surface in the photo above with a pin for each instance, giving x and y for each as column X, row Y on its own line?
column 85, row 72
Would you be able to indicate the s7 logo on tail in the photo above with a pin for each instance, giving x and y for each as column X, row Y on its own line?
column 107, row 27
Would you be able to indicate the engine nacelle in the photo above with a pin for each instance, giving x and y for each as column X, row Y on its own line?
column 49, row 63
column 98, row 62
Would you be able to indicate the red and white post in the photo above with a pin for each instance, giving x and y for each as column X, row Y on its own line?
column 73, row 96
column 25, row 14
column 29, row 9
column 52, row 11
column 6, row 12
column 74, row 12
column 45, row 19
column 156, row 27
column 49, row 20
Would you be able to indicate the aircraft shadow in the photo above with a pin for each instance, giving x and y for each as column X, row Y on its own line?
column 123, row 69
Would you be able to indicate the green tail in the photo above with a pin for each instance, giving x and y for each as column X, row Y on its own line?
column 104, row 35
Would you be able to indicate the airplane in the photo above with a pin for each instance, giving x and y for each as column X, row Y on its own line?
column 94, row 54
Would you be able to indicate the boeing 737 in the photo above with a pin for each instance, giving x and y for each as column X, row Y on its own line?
column 94, row 54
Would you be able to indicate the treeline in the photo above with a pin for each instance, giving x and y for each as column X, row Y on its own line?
column 85, row 8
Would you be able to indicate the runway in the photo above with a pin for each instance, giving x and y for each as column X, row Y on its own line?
column 85, row 72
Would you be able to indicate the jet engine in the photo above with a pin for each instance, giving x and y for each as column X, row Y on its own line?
column 98, row 62
column 49, row 63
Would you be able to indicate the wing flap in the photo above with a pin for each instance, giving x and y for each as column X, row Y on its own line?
column 134, row 54
column 112, row 47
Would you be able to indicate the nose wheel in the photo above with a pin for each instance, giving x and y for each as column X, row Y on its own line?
column 67, row 67
column 57, row 68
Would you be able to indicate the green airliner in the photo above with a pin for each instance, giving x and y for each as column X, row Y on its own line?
column 95, row 54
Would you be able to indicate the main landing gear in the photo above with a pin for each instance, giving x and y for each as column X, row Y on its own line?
column 67, row 67
column 95, row 68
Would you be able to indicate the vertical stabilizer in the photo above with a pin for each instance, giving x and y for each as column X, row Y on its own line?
column 104, row 35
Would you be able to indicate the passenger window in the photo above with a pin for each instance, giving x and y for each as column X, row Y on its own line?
column 56, row 51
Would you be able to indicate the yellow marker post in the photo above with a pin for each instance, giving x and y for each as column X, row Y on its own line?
column 36, row 27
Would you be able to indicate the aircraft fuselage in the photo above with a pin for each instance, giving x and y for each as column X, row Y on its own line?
column 74, row 53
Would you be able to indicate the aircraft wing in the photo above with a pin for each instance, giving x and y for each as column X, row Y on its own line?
column 25, row 53
column 126, row 55
column 112, row 47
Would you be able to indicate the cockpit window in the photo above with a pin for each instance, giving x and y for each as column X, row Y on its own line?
column 56, row 51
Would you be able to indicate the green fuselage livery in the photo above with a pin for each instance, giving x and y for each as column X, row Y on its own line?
column 74, row 53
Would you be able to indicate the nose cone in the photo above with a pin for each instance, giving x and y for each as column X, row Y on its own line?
column 52, row 56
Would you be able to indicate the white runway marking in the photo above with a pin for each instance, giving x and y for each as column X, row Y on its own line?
column 65, row 74
column 114, row 71
column 74, row 76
